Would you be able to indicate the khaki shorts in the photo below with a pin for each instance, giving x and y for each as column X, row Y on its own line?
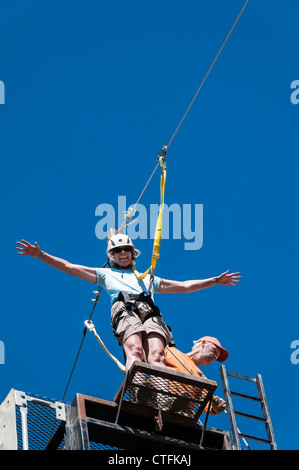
column 129, row 322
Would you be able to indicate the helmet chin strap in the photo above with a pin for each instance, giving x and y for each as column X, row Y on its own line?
column 117, row 266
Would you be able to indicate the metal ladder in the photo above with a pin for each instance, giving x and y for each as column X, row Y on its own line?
column 235, row 432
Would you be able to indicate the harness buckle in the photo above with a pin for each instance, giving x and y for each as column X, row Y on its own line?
column 162, row 157
column 89, row 325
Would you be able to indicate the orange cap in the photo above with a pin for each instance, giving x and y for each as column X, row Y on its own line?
column 223, row 352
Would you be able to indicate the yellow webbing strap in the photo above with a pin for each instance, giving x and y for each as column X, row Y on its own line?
column 158, row 233
column 138, row 275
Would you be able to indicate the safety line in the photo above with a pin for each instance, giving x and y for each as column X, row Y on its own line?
column 208, row 72
column 78, row 354
column 128, row 219
column 146, row 185
column 80, row 347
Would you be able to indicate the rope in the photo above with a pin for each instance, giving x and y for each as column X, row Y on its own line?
column 91, row 327
column 80, row 347
column 175, row 356
column 146, row 185
column 128, row 220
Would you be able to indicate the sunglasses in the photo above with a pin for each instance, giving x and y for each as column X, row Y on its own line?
column 122, row 248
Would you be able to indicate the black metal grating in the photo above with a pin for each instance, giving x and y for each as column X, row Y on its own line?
column 100, row 446
column 173, row 396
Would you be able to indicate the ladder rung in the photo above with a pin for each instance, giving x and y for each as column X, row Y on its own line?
column 246, row 415
column 249, row 397
column 253, row 438
column 239, row 376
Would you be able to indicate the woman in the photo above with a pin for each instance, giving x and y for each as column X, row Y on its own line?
column 136, row 321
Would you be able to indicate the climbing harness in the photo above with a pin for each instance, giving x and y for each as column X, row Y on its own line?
column 131, row 302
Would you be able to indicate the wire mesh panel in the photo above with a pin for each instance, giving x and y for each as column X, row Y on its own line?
column 42, row 422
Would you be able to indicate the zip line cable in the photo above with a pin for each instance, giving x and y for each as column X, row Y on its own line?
column 208, row 72
column 148, row 181
column 146, row 185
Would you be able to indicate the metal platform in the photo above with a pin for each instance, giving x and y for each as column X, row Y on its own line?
column 153, row 405
column 91, row 421
column 154, row 408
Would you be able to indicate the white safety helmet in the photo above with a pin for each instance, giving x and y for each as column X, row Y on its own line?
column 119, row 240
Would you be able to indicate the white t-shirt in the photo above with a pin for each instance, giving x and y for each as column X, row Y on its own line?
column 115, row 281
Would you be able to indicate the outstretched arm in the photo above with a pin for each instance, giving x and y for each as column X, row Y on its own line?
column 82, row 272
column 225, row 279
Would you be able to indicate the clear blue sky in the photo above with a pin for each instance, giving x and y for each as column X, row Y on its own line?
column 92, row 92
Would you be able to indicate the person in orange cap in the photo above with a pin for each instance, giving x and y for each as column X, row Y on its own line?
column 204, row 351
column 207, row 349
